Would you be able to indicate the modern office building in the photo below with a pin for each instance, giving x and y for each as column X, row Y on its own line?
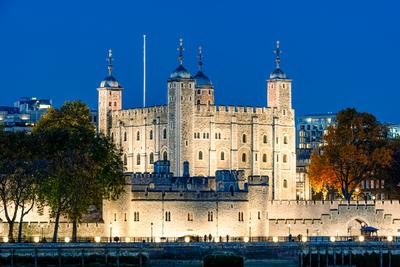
column 24, row 114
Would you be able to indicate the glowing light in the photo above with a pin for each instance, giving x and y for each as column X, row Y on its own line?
column 97, row 239
column 304, row 239
column 216, row 239
column 5, row 239
column 36, row 239
column 275, row 239
column 157, row 239
column 127, row 239
column 332, row 239
column 357, row 190
column 389, row 238
column 246, row 239
column 67, row 239
column 187, row 239
column 361, row 238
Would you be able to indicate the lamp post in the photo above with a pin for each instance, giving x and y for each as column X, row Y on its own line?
column 110, row 232
column 41, row 226
column 151, row 232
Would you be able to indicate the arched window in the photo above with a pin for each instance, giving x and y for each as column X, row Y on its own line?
column 284, row 158
column 222, row 155
column 210, row 216
column 285, row 140
column 264, row 157
column 125, row 136
column 138, row 136
column 264, row 139
column 151, row 158
column 198, row 101
column 284, row 183
column 165, row 133
column 244, row 138
column 200, row 155
column 244, row 157
column 151, row 134
column 125, row 160
column 165, row 155
column 138, row 159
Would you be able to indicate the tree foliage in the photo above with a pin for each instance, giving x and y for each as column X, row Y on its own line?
column 20, row 173
column 84, row 167
column 355, row 149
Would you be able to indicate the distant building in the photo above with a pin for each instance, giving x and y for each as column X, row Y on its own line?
column 393, row 130
column 24, row 114
column 311, row 128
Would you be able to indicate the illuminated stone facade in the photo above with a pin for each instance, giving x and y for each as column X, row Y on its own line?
column 258, row 140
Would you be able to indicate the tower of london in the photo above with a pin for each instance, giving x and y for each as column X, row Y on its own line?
column 191, row 128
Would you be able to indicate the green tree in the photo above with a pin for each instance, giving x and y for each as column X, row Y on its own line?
column 84, row 167
column 20, row 171
column 356, row 149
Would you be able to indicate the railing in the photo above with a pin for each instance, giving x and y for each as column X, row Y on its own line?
column 210, row 239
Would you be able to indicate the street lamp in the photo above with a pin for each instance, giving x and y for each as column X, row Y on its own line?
column 110, row 232
column 41, row 226
column 151, row 232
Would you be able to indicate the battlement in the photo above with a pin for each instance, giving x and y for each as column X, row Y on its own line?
column 234, row 109
column 139, row 112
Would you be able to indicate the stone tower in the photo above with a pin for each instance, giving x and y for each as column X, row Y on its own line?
column 180, row 116
column 204, row 94
column 283, row 131
column 110, row 98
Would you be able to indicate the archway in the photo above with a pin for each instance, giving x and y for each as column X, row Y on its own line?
column 354, row 226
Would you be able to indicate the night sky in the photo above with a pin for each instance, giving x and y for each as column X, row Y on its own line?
column 338, row 53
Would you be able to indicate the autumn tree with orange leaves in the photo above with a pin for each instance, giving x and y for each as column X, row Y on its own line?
column 354, row 150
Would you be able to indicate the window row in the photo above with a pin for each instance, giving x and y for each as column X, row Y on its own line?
column 151, row 158
column 190, row 217
column 138, row 135
column 198, row 135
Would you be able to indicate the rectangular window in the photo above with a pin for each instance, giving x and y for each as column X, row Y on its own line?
column 136, row 216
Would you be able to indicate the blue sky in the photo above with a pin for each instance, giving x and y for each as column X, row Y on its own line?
column 338, row 53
